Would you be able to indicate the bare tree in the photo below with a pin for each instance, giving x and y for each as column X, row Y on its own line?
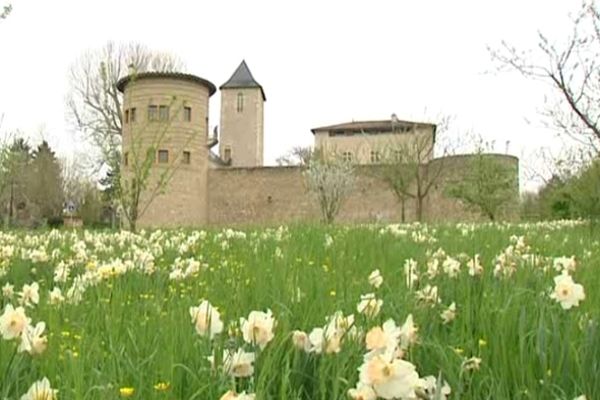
column 331, row 180
column 95, row 104
column 405, row 166
column 5, row 11
column 571, row 69
column 298, row 155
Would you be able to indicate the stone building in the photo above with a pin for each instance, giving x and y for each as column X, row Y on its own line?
column 166, row 115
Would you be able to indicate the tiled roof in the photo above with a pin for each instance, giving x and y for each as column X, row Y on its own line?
column 161, row 75
column 242, row 78
column 366, row 126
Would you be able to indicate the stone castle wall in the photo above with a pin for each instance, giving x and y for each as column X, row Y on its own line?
column 275, row 195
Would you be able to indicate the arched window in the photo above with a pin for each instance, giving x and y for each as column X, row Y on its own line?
column 240, row 102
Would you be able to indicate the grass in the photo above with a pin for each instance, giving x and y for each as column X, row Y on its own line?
column 133, row 330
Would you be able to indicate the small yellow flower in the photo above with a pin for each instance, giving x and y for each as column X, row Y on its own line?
column 162, row 386
column 332, row 293
column 482, row 343
column 458, row 350
column 126, row 391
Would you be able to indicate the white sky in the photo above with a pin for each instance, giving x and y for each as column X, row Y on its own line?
column 319, row 62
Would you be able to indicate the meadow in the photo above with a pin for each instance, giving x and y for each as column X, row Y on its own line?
column 484, row 311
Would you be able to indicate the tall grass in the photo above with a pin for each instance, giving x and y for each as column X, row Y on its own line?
column 134, row 330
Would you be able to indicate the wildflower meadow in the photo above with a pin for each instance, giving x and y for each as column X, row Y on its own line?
column 467, row 311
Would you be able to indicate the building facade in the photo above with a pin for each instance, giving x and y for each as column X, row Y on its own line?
column 166, row 127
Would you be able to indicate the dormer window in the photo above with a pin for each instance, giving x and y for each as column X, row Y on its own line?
column 240, row 102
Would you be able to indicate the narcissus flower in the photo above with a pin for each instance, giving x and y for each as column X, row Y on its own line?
column 239, row 364
column 408, row 333
column 56, row 296
column 369, row 305
column 389, row 377
column 472, row 363
column 566, row 291
column 362, row 392
column 258, row 328
column 13, row 322
column 375, row 279
column 32, row 340
column 449, row 314
column 206, row 319
column 300, row 340
column 30, row 294
column 429, row 389
column 231, row 395
column 40, row 390
column 383, row 338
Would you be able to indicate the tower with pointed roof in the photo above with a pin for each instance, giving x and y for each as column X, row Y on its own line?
column 242, row 119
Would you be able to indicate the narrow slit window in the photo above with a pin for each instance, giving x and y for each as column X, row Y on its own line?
column 126, row 116
column 227, row 154
column 132, row 115
column 240, row 102
column 126, row 159
column 187, row 157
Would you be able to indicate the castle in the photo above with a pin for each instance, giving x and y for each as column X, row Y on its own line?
column 167, row 113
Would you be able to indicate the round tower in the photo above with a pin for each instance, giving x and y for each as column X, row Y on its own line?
column 164, row 142
column 242, row 113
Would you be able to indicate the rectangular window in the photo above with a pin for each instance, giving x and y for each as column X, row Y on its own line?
column 187, row 114
column 227, row 154
column 398, row 155
column 152, row 113
column 126, row 159
column 163, row 156
column 375, row 156
column 163, row 113
column 126, row 116
column 132, row 115
column 187, row 157
column 347, row 156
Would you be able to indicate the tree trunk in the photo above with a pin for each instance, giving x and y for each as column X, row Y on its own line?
column 403, row 208
column 419, row 208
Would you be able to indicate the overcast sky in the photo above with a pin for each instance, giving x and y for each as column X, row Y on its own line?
column 319, row 62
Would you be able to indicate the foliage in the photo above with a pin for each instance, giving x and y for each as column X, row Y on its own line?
column 331, row 180
column 45, row 185
column 488, row 186
column 584, row 191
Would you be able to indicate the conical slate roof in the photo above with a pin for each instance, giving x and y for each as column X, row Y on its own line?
column 242, row 78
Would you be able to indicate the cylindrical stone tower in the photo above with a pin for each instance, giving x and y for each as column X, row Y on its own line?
column 165, row 133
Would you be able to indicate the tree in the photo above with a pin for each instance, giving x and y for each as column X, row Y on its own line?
column 298, row 155
column 331, row 180
column 397, row 170
column 584, row 192
column 15, row 165
column 406, row 168
column 487, row 186
column 5, row 11
column 45, row 184
column 95, row 104
column 571, row 70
